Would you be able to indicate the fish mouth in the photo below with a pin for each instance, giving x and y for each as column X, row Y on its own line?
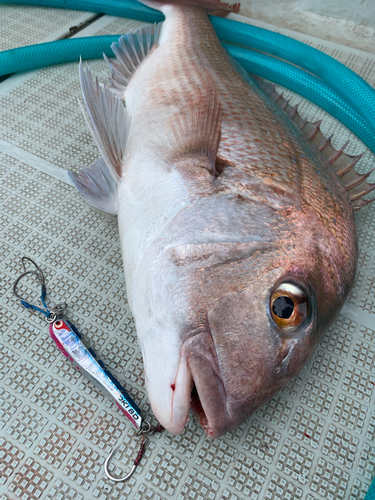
column 208, row 396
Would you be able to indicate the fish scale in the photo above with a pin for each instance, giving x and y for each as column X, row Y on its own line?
column 226, row 211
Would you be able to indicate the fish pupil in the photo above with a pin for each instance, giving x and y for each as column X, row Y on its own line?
column 283, row 307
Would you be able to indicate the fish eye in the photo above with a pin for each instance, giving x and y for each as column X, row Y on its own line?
column 289, row 305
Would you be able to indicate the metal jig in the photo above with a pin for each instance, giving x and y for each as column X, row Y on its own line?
column 68, row 340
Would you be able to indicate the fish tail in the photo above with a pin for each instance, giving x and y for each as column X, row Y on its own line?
column 213, row 6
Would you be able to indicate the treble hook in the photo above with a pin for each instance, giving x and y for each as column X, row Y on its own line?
column 51, row 314
column 141, row 451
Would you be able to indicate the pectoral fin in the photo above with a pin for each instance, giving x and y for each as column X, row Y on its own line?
column 195, row 131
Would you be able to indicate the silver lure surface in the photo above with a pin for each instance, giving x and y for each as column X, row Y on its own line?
column 68, row 340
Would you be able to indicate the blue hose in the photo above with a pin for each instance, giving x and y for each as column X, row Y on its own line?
column 347, row 83
column 371, row 492
column 57, row 52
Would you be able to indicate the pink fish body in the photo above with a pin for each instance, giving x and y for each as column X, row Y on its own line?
column 238, row 235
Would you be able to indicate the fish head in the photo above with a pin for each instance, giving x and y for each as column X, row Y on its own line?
column 257, row 339
column 247, row 297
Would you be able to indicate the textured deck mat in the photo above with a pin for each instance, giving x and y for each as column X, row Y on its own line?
column 25, row 25
column 314, row 440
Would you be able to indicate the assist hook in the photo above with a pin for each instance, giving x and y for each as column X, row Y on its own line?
column 50, row 314
column 141, row 432
column 38, row 273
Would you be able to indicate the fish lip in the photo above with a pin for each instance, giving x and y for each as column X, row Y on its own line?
column 205, row 413
column 201, row 405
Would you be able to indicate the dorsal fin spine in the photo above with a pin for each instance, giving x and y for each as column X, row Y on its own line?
column 344, row 170
column 324, row 143
column 279, row 98
column 358, row 181
column 293, row 112
column 355, row 183
column 284, row 106
column 336, row 155
column 359, row 195
column 303, row 123
column 315, row 130
column 361, row 203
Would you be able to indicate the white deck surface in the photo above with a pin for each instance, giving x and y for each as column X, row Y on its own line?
column 314, row 440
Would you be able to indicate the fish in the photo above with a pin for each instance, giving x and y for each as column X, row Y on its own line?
column 235, row 215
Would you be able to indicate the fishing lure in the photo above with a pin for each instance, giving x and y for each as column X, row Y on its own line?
column 69, row 341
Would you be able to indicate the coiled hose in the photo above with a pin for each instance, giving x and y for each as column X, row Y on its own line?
column 122, row 8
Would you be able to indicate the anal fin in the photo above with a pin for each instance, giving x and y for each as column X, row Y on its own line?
column 97, row 186
column 343, row 164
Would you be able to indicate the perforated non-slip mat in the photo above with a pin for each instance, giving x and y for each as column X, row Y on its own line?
column 312, row 441
column 22, row 25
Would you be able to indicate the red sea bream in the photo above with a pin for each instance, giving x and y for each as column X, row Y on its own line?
column 235, row 218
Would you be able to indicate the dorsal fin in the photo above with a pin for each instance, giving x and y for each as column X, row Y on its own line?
column 130, row 51
column 343, row 164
